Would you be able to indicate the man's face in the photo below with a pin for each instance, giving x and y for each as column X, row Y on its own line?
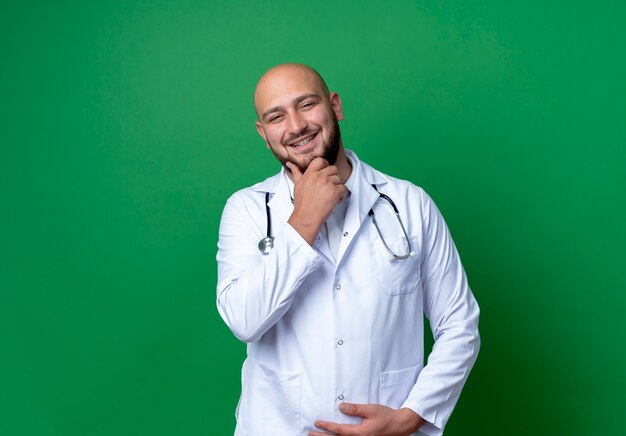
column 297, row 119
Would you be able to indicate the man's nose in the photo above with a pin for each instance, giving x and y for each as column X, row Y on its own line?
column 297, row 123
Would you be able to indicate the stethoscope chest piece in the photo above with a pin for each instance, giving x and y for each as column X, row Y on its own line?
column 266, row 244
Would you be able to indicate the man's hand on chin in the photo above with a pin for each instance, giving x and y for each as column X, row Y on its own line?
column 378, row 420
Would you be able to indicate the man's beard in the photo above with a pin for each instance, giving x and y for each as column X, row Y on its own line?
column 330, row 152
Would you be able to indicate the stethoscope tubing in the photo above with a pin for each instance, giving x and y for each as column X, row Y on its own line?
column 267, row 243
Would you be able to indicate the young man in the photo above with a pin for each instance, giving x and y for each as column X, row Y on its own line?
column 326, row 270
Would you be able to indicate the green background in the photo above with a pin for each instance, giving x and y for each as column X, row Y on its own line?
column 125, row 126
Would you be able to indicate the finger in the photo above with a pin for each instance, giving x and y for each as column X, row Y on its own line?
column 334, row 179
column 364, row 410
column 333, row 427
column 295, row 171
column 343, row 192
column 317, row 164
column 330, row 170
column 332, row 175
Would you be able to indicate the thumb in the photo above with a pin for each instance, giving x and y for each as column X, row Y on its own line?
column 355, row 409
column 294, row 170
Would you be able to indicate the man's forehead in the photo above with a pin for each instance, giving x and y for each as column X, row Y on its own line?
column 285, row 83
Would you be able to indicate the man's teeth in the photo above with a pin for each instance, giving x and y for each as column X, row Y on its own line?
column 306, row 141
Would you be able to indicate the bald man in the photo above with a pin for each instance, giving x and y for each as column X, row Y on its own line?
column 326, row 270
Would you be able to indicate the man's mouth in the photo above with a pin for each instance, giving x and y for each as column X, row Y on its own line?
column 303, row 141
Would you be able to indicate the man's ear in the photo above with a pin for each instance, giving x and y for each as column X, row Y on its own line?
column 335, row 103
column 259, row 128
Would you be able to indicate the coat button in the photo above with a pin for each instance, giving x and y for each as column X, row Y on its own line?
column 340, row 397
column 340, row 342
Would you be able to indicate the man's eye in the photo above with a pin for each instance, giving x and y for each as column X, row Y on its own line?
column 307, row 105
column 274, row 119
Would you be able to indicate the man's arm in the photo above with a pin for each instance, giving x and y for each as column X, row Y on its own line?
column 255, row 291
column 453, row 314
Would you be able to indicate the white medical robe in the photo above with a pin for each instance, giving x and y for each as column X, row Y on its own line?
column 322, row 331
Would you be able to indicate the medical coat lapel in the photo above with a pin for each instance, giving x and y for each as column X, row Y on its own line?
column 362, row 199
column 280, row 204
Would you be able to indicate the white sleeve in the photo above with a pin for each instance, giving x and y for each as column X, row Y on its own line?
column 453, row 314
column 254, row 290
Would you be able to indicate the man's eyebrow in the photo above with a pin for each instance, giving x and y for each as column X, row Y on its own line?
column 304, row 97
column 269, row 111
column 296, row 100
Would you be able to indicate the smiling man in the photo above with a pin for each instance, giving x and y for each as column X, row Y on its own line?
column 326, row 271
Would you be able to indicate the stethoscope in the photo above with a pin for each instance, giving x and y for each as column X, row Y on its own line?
column 267, row 243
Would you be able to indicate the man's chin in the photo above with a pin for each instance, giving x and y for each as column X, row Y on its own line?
column 302, row 166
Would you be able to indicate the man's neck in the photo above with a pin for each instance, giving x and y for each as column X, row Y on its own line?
column 343, row 165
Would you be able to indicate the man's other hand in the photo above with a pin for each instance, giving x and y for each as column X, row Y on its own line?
column 378, row 420
column 316, row 193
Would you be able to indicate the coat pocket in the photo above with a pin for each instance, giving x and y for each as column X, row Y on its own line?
column 270, row 402
column 398, row 276
column 395, row 386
